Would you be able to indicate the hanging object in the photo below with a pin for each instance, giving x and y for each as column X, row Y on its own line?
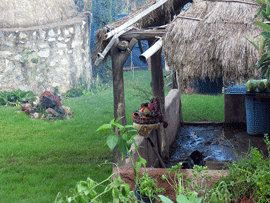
column 148, row 117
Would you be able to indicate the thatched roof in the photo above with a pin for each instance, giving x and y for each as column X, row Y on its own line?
column 26, row 13
column 216, row 45
column 158, row 17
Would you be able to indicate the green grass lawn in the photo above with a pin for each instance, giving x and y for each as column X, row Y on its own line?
column 203, row 107
column 40, row 158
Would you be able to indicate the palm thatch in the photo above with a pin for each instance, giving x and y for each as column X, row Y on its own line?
column 26, row 13
column 209, row 39
column 158, row 17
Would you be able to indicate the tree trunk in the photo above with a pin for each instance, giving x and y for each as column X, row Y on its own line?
column 118, row 60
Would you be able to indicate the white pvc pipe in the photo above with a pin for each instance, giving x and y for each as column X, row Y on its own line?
column 151, row 51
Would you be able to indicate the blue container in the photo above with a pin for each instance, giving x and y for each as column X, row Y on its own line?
column 258, row 115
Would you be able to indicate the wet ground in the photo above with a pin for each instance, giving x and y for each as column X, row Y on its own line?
column 217, row 143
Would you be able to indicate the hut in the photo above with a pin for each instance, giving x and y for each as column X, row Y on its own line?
column 43, row 45
column 206, row 40
column 210, row 39
column 118, row 38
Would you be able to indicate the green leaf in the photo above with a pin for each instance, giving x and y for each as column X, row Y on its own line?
column 124, row 136
column 268, row 10
column 139, row 163
column 126, row 190
column 115, row 193
column 118, row 119
column 165, row 199
column 112, row 141
column 129, row 126
column 181, row 198
column 266, row 34
column 264, row 15
column 104, row 127
column 263, row 25
column 253, row 44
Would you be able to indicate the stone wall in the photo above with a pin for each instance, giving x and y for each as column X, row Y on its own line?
column 45, row 57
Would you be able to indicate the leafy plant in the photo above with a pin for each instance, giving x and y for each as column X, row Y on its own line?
column 264, row 42
column 194, row 185
column 248, row 177
column 85, row 192
column 123, row 142
column 147, row 187
column 74, row 92
column 15, row 97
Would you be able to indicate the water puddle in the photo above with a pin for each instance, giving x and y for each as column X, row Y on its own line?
column 209, row 140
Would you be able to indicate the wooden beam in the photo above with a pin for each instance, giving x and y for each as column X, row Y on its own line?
column 101, row 56
column 140, row 46
column 143, row 34
column 189, row 18
column 118, row 60
column 136, row 18
column 234, row 1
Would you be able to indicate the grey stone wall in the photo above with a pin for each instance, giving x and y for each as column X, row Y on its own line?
column 45, row 57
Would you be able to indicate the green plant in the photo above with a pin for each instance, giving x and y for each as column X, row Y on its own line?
column 147, row 186
column 123, row 142
column 248, row 177
column 219, row 193
column 194, row 185
column 15, row 97
column 264, row 42
column 74, row 92
column 85, row 192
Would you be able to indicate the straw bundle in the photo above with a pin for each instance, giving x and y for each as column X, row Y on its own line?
column 26, row 13
column 212, row 42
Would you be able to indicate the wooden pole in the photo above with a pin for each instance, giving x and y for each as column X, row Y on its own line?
column 177, row 75
column 158, row 91
column 118, row 60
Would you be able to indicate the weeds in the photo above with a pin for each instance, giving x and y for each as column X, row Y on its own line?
column 248, row 177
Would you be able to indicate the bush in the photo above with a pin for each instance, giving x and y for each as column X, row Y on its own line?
column 248, row 178
column 15, row 97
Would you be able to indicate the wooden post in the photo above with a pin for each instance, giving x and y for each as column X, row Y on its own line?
column 178, row 81
column 174, row 80
column 118, row 60
column 158, row 91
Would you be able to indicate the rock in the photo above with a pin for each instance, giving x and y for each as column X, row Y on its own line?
column 49, row 102
column 51, row 112
column 29, row 111
column 35, row 115
column 25, row 106
column 42, row 116
column 67, row 110
column 60, row 110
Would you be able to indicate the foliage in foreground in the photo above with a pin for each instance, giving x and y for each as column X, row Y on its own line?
column 15, row 97
column 249, row 177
